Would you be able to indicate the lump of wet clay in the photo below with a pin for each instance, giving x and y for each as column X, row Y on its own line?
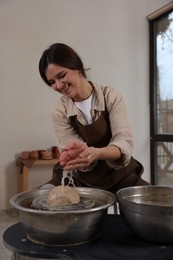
column 63, row 195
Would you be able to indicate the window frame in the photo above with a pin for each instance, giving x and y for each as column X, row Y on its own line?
column 154, row 137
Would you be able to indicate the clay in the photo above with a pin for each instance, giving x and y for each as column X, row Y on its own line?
column 63, row 195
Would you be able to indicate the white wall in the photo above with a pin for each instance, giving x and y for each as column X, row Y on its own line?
column 112, row 38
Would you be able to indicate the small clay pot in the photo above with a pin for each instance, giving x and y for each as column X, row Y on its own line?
column 46, row 154
column 55, row 152
column 34, row 155
column 25, row 155
column 40, row 153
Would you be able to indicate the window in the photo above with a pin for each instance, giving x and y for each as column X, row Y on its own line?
column 161, row 95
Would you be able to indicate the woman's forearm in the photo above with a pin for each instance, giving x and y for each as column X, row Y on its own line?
column 108, row 153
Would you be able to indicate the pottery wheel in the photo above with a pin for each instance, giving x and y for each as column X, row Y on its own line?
column 41, row 203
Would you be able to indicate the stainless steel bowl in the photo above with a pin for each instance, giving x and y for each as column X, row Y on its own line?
column 148, row 211
column 63, row 227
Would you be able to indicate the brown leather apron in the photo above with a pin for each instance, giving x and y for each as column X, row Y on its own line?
column 98, row 134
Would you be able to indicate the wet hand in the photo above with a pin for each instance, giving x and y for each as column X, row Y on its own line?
column 72, row 152
column 77, row 156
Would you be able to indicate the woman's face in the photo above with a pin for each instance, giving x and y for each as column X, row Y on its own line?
column 64, row 80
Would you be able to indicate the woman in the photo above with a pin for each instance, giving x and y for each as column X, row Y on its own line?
column 91, row 125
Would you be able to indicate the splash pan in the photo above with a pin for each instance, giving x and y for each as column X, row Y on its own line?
column 63, row 227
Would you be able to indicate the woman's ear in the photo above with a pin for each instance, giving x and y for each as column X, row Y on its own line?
column 80, row 74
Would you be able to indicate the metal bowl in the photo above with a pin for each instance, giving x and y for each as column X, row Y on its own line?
column 63, row 227
column 148, row 211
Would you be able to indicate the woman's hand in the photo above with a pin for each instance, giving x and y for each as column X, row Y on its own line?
column 77, row 155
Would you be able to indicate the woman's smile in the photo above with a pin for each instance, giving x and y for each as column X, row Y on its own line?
column 65, row 88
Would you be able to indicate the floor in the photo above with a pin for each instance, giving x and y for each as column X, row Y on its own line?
column 8, row 217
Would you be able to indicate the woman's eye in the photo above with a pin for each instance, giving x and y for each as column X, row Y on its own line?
column 51, row 83
column 61, row 76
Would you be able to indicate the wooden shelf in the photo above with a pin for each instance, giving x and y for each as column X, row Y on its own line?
column 23, row 171
column 45, row 162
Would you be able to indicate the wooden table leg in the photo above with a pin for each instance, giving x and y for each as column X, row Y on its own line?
column 19, row 175
column 25, row 178
column 23, row 172
column 22, row 178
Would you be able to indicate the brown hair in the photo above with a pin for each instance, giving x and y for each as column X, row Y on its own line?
column 62, row 55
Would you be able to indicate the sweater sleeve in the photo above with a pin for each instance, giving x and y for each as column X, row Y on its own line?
column 120, row 127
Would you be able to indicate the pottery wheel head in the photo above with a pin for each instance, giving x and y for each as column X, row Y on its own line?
column 41, row 203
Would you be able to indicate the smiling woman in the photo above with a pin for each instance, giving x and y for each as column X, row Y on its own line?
column 91, row 125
